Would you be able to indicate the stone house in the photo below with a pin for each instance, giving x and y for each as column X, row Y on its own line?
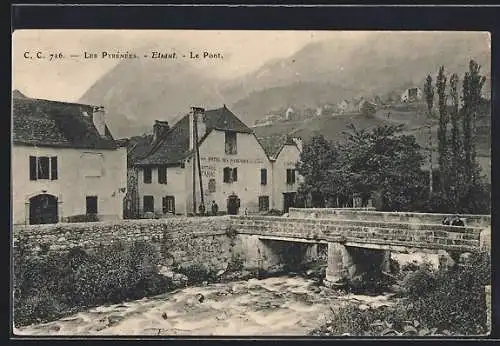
column 411, row 95
column 236, row 171
column 66, row 165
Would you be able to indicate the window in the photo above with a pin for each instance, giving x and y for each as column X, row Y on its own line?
column 91, row 204
column 211, row 185
column 43, row 167
column 263, row 176
column 149, row 204
column 147, row 175
column 168, row 204
column 263, row 203
column 230, row 141
column 227, row 174
column 162, row 175
column 230, row 174
column 53, row 168
column 290, row 176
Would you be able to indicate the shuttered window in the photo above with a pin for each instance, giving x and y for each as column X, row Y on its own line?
column 148, row 174
column 32, row 167
column 162, row 175
column 149, row 204
column 53, row 168
column 227, row 175
column 290, row 176
column 43, row 167
column 263, row 176
column 230, row 174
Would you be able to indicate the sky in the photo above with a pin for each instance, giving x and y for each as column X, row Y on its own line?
column 67, row 79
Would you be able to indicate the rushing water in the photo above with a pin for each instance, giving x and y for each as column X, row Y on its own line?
column 272, row 306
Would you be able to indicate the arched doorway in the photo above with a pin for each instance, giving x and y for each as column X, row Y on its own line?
column 43, row 209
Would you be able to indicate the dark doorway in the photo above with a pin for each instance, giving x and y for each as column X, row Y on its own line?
column 233, row 205
column 43, row 209
column 289, row 199
column 168, row 204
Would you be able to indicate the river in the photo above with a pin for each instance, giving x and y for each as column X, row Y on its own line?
column 287, row 306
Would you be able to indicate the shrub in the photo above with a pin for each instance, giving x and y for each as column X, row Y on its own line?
column 48, row 287
column 436, row 302
column 197, row 273
column 456, row 298
column 83, row 218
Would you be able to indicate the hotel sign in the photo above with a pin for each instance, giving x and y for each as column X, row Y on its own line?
column 230, row 161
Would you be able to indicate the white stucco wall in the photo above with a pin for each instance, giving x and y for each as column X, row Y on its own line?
column 287, row 159
column 72, row 185
column 175, row 186
column 249, row 160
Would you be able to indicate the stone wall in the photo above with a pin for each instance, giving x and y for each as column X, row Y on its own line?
column 371, row 215
column 188, row 240
column 362, row 233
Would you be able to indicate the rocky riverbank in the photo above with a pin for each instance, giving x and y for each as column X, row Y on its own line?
column 273, row 306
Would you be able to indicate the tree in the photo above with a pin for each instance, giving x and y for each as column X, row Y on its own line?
column 429, row 98
column 316, row 160
column 384, row 161
column 443, row 122
column 455, row 167
column 472, row 86
column 462, row 189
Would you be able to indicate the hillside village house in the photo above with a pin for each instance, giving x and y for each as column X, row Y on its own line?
column 65, row 163
column 411, row 95
column 236, row 171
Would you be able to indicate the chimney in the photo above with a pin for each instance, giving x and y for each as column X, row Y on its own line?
column 159, row 128
column 199, row 113
column 98, row 118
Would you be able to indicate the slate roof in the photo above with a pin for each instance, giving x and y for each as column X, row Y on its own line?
column 225, row 120
column 56, row 124
column 173, row 146
column 273, row 144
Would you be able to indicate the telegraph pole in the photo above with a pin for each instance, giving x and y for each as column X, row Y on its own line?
column 194, row 164
column 197, row 111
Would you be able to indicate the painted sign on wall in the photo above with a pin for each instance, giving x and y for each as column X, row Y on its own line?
column 231, row 161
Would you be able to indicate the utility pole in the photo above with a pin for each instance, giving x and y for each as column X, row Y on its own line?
column 194, row 164
column 430, row 159
column 197, row 111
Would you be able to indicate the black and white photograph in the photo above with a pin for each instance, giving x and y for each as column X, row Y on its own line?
column 251, row 183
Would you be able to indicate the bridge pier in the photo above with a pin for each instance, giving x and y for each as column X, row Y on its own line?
column 340, row 264
column 345, row 263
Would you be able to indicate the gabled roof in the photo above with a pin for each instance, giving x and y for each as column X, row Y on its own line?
column 274, row 144
column 173, row 146
column 56, row 124
column 225, row 120
column 137, row 147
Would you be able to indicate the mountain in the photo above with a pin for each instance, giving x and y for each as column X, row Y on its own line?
column 376, row 65
column 139, row 91
column 136, row 92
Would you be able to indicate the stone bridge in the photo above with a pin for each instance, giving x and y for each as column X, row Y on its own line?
column 349, row 233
